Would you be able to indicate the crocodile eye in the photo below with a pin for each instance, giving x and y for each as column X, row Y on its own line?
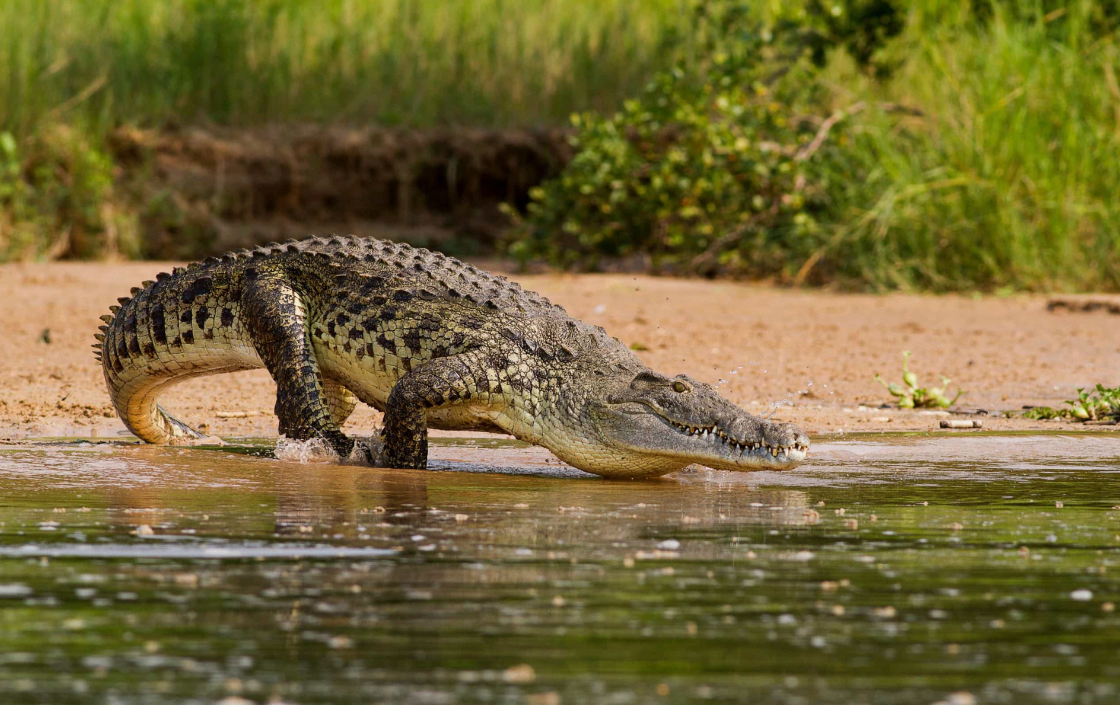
column 680, row 387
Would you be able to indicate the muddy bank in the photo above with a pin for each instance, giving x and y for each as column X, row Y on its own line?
column 815, row 350
column 205, row 191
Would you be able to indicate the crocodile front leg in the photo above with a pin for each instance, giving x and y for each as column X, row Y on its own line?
column 439, row 383
column 277, row 322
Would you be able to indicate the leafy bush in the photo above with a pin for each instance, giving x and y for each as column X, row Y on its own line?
column 710, row 173
column 974, row 162
column 56, row 200
column 861, row 27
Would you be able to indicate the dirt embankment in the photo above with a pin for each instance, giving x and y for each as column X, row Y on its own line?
column 206, row 191
column 767, row 344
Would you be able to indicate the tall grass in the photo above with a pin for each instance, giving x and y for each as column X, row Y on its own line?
column 412, row 62
column 1008, row 177
column 1011, row 176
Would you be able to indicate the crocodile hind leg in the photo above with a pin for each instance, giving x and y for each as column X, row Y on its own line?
column 340, row 401
column 278, row 326
column 437, row 384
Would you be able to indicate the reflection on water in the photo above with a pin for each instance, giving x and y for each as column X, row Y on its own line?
column 913, row 569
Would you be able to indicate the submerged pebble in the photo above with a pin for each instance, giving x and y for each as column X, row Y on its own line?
column 14, row 590
column 521, row 673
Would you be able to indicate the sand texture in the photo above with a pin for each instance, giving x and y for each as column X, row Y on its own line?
column 815, row 350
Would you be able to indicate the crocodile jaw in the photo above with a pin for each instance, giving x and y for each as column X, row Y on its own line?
column 651, row 420
column 775, row 447
column 739, row 442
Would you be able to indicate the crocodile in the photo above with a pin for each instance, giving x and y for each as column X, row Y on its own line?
column 430, row 341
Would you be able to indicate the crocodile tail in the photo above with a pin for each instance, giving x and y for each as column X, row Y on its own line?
column 171, row 329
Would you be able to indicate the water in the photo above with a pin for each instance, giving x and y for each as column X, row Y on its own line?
column 892, row 569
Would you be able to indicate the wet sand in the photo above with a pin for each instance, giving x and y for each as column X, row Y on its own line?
column 816, row 350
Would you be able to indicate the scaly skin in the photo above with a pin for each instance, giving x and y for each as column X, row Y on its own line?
column 430, row 341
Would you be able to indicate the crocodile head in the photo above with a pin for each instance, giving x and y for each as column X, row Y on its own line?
column 648, row 424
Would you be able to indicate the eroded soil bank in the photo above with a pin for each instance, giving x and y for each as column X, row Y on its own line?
column 815, row 349
column 206, row 191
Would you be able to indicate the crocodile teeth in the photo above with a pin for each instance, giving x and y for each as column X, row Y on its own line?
column 743, row 447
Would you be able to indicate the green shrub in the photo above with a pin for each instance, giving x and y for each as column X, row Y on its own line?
column 709, row 173
column 57, row 200
column 979, row 158
column 862, row 28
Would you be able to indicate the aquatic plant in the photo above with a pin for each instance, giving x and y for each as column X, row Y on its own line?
column 911, row 396
column 1103, row 404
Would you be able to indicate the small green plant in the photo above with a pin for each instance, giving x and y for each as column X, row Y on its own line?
column 911, row 396
column 1104, row 404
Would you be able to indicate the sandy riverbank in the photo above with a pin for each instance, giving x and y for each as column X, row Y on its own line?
column 769, row 344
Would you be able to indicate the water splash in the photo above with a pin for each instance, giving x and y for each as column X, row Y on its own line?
column 772, row 407
column 313, row 450
column 367, row 451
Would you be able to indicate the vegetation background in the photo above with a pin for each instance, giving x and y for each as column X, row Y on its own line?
column 877, row 144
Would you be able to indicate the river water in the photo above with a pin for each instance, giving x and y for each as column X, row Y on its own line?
column 971, row 568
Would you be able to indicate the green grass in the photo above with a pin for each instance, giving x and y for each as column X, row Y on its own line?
column 399, row 62
column 1010, row 177
column 1000, row 173
column 1007, row 179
